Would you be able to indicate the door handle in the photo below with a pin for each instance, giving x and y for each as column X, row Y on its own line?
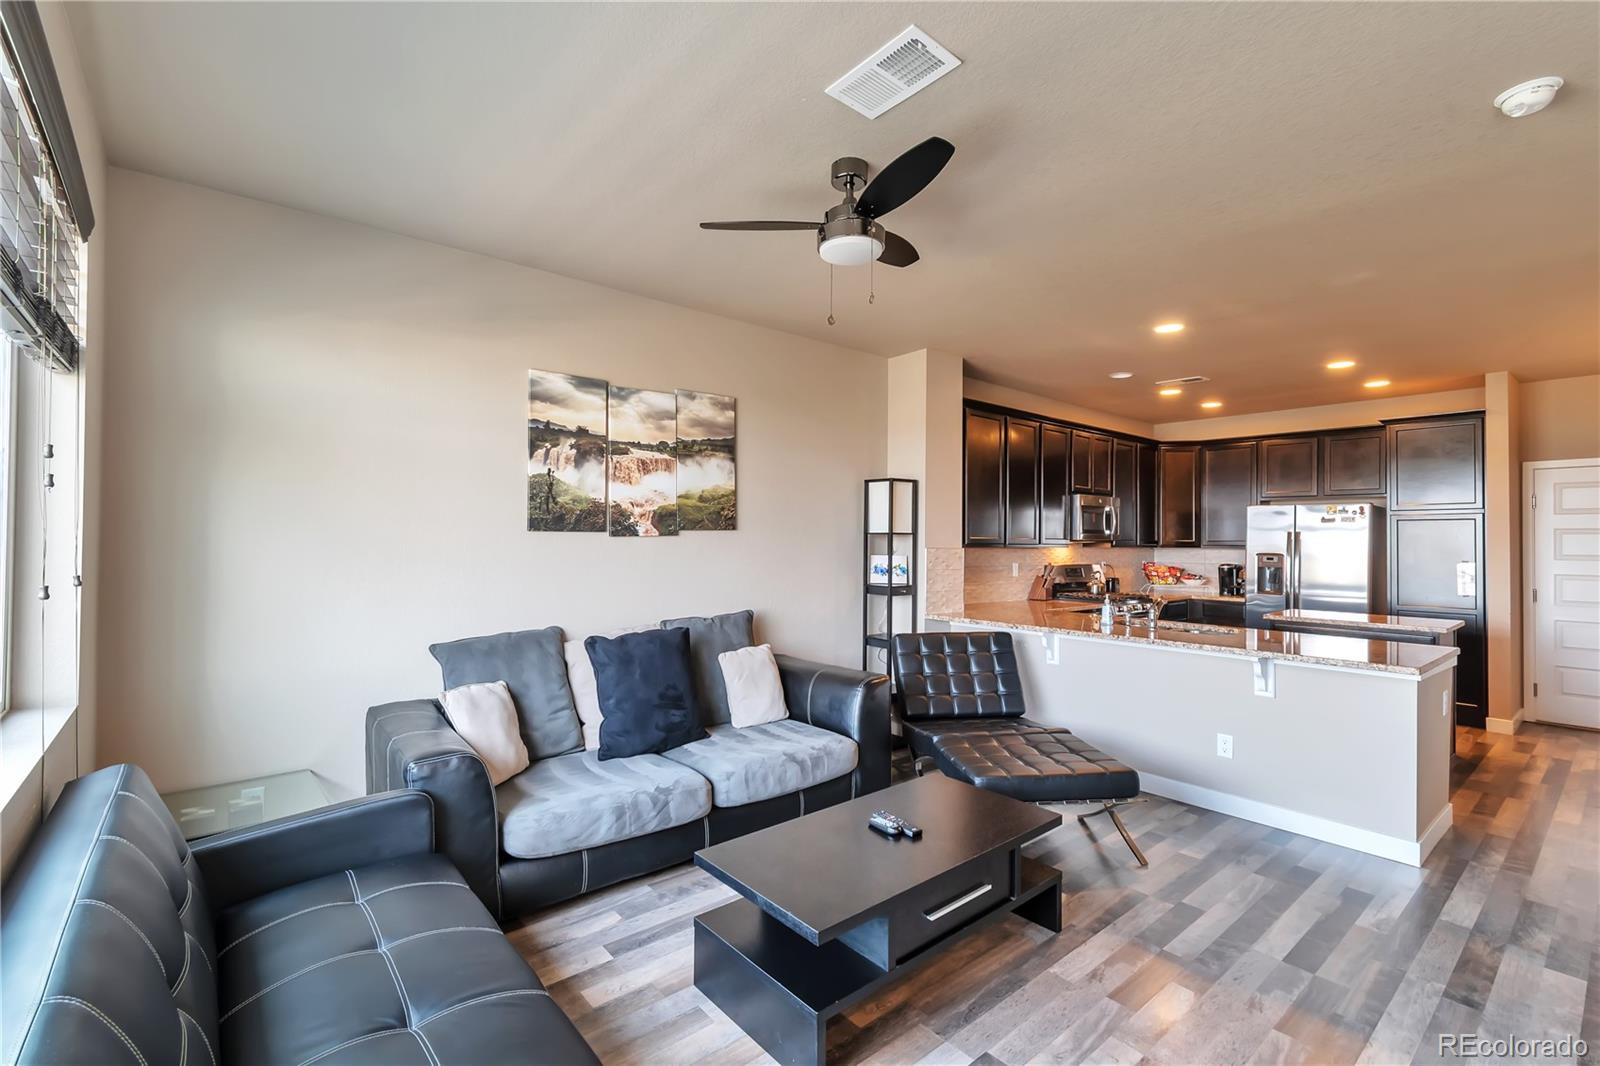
column 957, row 903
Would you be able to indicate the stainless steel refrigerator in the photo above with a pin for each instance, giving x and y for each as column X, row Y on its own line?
column 1326, row 556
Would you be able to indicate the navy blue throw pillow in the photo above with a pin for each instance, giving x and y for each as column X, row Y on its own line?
column 646, row 689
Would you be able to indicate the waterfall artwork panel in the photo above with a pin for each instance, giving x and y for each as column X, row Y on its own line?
column 706, row 461
column 566, row 453
column 642, row 470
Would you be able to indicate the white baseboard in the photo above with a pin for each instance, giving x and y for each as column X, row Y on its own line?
column 1395, row 849
column 1504, row 725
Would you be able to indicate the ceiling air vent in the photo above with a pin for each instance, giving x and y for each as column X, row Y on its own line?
column 909, row 63
column 1192, row 379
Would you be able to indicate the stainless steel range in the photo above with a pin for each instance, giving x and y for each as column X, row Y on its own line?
column 1087, row 583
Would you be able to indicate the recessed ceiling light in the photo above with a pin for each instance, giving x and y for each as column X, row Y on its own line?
column 1376, row 383
column 1211, row 405
column 1341, row 364
column 1122, row 375
column 1169, row 327
column 1171, row 392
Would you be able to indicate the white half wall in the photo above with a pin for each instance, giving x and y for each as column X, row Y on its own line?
column 315, row 465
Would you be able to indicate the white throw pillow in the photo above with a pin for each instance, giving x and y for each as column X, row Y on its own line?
column 755, row 690
column 487, row 720
column 580, row 678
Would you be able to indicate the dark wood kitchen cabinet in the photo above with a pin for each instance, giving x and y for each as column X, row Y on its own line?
column 1133, row 482
column 1436, row 571
column 1055, row 484
column 1178, row 490
column 1227, row 489
column 1091, row 463
column 1436, row 464
column 985, row 479
column 1288, row 467
column 1355, row 464
column 1022, row 481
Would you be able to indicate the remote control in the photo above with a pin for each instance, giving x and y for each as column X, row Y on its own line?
column 885, row 823
column 907, row 830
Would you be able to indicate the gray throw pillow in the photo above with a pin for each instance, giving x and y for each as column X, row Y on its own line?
column 533, row 668
column 709, row 638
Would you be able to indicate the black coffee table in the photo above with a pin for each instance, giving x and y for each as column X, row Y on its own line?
column 832, row 911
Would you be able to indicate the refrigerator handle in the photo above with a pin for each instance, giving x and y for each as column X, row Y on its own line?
column 1290, row 572
column 1297, row 568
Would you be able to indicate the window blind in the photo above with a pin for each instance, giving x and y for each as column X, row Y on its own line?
column 41, row 243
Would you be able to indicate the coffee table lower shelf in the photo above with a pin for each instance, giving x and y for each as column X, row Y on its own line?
column 781, row 989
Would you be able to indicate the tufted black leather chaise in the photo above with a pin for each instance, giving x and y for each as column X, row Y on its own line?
column 339, row 936
column 962, row 707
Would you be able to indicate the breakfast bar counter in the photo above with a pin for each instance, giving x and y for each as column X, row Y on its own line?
column 1074, row 621
column 1343, row 739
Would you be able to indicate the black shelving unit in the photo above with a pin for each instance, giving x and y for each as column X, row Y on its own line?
column 889, row 530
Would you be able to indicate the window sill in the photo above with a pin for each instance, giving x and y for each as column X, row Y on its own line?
column 26, row 734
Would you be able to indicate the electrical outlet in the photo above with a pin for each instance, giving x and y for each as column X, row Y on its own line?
column 1224, row 746
column 1014, row 570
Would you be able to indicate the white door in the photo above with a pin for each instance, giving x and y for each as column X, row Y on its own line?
column 1564, row 599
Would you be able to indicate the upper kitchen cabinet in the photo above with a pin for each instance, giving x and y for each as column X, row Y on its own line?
column 1055, row 484
column 1353, row 464
column 1436, row 464
column 1227, row 489
column 985, row 478
column 1178, row 489
column 1091, row 463
column 1022, row 481
column 1288, row 468
column 1133, row 482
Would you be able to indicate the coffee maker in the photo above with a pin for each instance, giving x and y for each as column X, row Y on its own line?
column 1230, row 579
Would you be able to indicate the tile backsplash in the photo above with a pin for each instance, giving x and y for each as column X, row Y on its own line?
column 987, row 576
column 1202, row 561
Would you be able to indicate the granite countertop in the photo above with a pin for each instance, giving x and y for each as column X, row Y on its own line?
column 1069, row 620
column 1367, row 621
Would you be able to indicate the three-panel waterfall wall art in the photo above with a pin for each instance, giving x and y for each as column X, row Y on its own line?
column 631, row 462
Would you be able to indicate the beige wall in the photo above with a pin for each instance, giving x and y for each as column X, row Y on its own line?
column 315, row 466
column 1328, row 416
column 1502, row 470
column 1045, row 405
column 925, row 443
column 1560, row 419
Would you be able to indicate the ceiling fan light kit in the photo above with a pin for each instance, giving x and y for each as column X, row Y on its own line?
column 849, row 233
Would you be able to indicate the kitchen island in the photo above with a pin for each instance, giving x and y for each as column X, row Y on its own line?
column 1342, row 739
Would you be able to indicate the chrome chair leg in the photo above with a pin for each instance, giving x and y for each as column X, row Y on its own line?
column 1116, row 820
column 922, row 764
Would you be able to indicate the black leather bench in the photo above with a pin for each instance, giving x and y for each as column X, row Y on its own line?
column 962, row 708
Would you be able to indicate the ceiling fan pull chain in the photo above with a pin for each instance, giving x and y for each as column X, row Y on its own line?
column 830, row 294
column 872, row 279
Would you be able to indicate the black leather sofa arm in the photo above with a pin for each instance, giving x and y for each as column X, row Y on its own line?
column 243, row 863
column 854, row 703
column 411, row 745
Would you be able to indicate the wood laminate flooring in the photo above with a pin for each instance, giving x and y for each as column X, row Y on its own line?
column 1239, row 944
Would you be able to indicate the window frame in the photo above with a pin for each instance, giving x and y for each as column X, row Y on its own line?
column 9, row 359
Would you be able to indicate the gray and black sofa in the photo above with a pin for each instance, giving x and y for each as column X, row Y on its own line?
column 572, row 823
column 339, row 936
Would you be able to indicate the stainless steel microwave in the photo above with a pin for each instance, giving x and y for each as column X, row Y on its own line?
column 1094, row 518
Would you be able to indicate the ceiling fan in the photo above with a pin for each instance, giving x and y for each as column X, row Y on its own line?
column 849, row 234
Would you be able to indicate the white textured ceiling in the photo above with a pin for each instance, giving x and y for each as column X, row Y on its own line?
column 1291, row 179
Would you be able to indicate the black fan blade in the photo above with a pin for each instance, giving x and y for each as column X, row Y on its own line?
column 905, row 177
column 759, row 225
column 897, row 251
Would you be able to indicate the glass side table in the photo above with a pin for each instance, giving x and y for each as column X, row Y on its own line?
column 201, row 812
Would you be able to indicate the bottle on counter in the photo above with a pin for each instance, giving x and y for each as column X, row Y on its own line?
column 1107, row 615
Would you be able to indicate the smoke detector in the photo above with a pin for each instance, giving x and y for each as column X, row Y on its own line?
column 903, row 67
column 1530, row 97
